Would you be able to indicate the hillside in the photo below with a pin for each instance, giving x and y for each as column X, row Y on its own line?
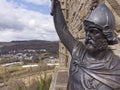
column 50, row 46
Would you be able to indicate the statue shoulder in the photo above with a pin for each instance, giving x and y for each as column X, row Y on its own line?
column 115, row 63
column 78, row 49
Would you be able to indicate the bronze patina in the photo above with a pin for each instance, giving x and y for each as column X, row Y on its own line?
column 94, row 66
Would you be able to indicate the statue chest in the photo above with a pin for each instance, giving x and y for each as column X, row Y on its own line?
column 82, row 79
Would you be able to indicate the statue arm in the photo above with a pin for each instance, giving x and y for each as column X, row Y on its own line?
column 61, row 27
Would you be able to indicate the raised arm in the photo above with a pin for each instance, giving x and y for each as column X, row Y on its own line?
column 65, row 36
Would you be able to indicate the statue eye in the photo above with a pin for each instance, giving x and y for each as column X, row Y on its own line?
column 106, row 27
column 95, row 32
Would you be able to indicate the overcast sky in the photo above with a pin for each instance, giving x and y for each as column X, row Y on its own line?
column 26, row 20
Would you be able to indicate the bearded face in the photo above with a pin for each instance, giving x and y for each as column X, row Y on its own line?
column 95, row 40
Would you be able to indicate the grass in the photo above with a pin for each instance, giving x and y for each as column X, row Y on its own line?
column 38, row 77
column 45, row 82
column 36, row 83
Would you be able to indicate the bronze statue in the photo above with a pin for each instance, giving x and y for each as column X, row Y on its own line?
column 93, row 66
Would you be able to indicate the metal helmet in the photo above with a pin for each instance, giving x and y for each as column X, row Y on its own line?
column 104, row 19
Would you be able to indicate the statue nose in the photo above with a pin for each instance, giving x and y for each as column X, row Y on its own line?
column 89, row 36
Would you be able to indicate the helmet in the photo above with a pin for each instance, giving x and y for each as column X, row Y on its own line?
column 104, row 19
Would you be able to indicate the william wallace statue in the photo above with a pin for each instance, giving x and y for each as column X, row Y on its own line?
column 93, row 66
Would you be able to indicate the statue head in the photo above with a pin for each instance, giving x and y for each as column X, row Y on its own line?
column 99, row 27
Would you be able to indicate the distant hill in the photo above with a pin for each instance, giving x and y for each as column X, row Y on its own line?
column 50, row 46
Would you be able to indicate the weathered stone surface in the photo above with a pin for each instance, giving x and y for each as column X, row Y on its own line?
column 60, row 79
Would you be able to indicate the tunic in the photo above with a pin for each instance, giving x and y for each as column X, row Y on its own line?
column 93, row 75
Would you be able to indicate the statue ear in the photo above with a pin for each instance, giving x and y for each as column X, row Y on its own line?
column 110, row 35
column 106, row 30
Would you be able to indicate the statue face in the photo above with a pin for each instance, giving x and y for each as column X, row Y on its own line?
column 95, row 40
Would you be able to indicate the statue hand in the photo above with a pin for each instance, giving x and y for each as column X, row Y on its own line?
column 53, row 2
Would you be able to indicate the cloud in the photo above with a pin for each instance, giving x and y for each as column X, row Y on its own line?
column 39, row 2
column 22, row 24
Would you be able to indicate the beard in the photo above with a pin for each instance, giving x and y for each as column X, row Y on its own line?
column 96, row 45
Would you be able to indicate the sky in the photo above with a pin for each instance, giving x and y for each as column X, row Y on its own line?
column 26, row 20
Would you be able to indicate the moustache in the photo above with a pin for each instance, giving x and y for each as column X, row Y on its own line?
column 98, row 44
column 91, row 42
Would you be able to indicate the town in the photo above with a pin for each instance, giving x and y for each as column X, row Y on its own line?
column 27, row 62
